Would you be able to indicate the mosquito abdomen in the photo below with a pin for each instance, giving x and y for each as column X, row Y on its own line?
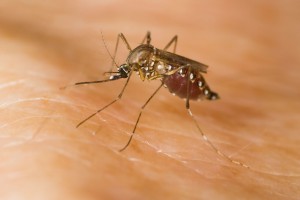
column 198, row 89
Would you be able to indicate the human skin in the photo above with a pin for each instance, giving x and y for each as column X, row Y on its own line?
column 252, row 50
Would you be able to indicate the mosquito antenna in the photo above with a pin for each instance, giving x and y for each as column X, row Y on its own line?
column 113, row 59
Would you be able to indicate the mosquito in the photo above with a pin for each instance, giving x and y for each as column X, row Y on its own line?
column 182, row 76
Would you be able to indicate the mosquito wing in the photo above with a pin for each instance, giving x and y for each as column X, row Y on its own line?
column 176, row 60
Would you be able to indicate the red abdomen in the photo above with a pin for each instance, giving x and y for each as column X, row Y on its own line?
column 198, row 89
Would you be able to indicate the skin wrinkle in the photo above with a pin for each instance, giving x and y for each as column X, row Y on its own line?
column 175, row 158
column 24, row 119
column 45, row 99
column 173, row 161
column 149, row 163
column 182, row 162
column 69, row 155
column 41, row 126
column 11, row 84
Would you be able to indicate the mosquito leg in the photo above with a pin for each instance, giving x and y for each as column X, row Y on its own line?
column 147, row 37
column 113, row 62
column 138, row 119
column 113, row 57
column 121, row 35
column 205, row 138
column 112, row 102
column 173, row 40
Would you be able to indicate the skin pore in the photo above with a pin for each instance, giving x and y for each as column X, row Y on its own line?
column 252, row 53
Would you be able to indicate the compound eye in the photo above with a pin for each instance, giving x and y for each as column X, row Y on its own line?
column 124, row 71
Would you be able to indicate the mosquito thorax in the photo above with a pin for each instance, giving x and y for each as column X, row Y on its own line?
column 140, row 55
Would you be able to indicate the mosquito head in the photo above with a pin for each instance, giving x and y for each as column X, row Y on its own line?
column 124, row 70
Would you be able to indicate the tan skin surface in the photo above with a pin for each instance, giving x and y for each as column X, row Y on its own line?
column 253, row 53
